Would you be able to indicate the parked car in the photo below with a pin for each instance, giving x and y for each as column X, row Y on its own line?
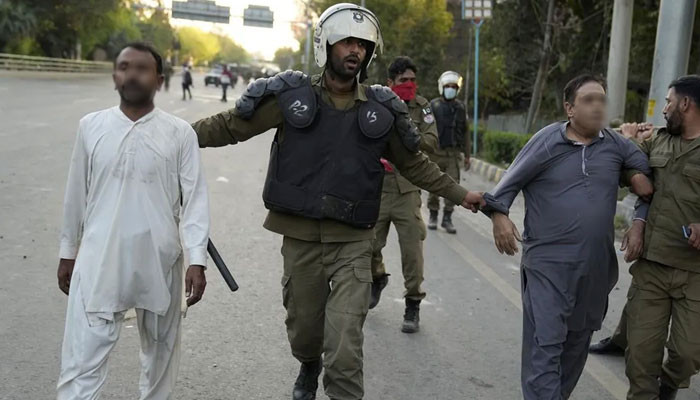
column 213, row 77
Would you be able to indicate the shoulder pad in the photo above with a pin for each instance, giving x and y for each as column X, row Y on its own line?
column 382, row 93
column 292, row 78
column 407, row 130
column 264, row 87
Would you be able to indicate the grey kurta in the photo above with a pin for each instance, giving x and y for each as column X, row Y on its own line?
column 568, row 264
column 570, row 197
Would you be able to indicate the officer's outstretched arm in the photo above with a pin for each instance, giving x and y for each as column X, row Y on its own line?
column 419, row 170
column 256, row 111
column 228, row 127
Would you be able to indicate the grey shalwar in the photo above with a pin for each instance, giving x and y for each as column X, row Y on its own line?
column 568, row 264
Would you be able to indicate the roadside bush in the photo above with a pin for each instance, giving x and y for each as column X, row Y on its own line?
column 502, row 147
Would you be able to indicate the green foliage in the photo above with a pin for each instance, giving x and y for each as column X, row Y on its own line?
column 502, row 147
column 81, row 28
column 229, row 51
column 286, row 58
column 17, row 25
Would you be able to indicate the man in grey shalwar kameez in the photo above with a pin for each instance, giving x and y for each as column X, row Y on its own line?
column 569, row 174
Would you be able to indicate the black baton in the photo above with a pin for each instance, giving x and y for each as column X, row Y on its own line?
column 221, row 265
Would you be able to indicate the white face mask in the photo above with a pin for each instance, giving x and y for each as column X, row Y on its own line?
column 450, row 93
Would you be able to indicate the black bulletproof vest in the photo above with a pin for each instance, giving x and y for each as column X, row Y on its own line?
column 327, row 165
column 446, row 119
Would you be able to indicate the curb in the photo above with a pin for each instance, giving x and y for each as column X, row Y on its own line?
column 486, row 170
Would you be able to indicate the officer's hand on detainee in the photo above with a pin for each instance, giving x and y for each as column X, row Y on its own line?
column 505, row 234
column 65, row 272
column 694, row 239
column 645, row 131
column 474, row 201
column 195, row 282
column 629, row 130
column 641, row 185
column 633, row 242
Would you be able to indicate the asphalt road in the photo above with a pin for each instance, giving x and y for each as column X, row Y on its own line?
column 234, row 344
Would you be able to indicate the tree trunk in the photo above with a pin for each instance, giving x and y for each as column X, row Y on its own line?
column 542, row 71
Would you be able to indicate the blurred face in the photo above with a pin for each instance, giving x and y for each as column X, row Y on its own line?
column 589, row 108
column 407, row 76
column 136, row 77
column 347, row 57
column 672, row 112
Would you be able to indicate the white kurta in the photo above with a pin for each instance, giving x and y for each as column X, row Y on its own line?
column 122, row 208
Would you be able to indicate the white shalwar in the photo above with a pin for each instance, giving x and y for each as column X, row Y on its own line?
column 122, row 212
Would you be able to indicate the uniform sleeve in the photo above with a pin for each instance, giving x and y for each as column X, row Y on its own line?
column 461, row 129
column 420, row 171
column 524, row 168
column 226, row 128
column 195, row 200
column 75, row 200
column 629, row 172
column 637, row 162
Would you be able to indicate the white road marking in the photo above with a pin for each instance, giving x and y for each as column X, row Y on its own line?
column 222, row 179
column 179, row 110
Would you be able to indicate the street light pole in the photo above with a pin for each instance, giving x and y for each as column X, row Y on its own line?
column 477, row 24
column 476, row 11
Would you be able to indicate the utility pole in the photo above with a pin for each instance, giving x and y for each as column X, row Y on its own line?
column 541, row 77
column 671, row 52
column 618, row 58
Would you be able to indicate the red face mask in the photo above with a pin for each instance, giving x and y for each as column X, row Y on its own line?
column 406, row 91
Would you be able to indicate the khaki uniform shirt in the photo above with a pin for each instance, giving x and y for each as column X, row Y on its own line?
column 676, row 173
column 226, row 128
column 422, row 116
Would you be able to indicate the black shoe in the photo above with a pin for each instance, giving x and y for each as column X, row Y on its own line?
column 667, row 392
column 411, row 318
column 307, row 381
column 432, row 222
column 377, row 286
column 447, row 223
column 606, row 346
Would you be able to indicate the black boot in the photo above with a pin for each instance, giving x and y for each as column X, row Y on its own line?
column 307, row 382
column 606, row 346
column 432, row 222
column 447, row 223
column 377, row 286
column 411, row 318
column 667, row 392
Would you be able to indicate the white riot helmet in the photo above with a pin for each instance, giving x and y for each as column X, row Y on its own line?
column 346, row 20
column 448, row 77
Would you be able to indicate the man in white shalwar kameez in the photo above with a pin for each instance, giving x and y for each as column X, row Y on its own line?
column 135, row 172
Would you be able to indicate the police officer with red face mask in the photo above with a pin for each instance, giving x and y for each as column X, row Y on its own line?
column 401, row 201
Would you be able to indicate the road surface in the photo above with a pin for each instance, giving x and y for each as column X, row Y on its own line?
column 234, row 344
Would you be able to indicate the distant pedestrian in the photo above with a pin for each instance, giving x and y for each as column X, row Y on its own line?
column 187, row 82
column 226, row 79
column 167, row 73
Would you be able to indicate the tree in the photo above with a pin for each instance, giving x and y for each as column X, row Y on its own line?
column 230, row 51
column 199, row 45
column 285, row 58
column 17, row 24
column 542, row 70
